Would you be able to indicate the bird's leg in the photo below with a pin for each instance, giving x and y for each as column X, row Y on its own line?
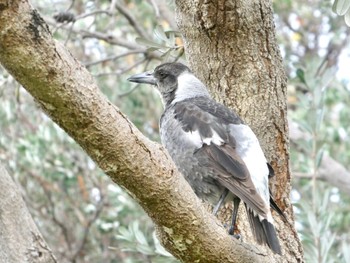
column 236, row 202
column 221, row 200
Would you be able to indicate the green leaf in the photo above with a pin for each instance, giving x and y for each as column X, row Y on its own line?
column 151, row 49
column 326, row 247
column 124, row 234
column 145, row 249
column 171, row 37
column 176, row 33
column 341, row 7
column 140, row 237
column 166, row 55
column 148, row 43
column 305, row 126
column 346, row 252
column 301, row 75
column 334, row 6
column 159, row 248
column 319, row 118
column 160, row 34
column 319, row 157
column 347, row 18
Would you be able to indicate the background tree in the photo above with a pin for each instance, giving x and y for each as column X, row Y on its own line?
column 79, row 210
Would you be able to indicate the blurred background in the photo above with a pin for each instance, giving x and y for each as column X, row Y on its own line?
column 84, row 217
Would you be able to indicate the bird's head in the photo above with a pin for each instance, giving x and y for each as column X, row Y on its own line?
column 174, row 81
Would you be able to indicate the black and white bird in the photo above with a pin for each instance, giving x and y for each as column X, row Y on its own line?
column 218, row 154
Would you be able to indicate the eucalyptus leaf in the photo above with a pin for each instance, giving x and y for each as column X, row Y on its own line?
column 166, row 55
column 160, row 34
column 305, row 126
column 319, row 118
column 175, row 32
column 148, row 43
column 124, row 234
column 347, row 18
column 326, row 247
column 151, row 49
column 301, row 75
column 144, row 249
column 171, row 37
column 319, row 157
column 334, row 6
column 345, row 250
column 341, row 6
column 159, row 248
column 140, row 237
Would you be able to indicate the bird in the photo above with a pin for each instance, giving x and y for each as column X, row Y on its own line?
column 217, row 153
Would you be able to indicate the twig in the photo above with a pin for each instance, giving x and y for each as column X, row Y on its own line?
column 87, row 229
column 93, row 13
column 122, row 71
column 136, row 51
column 129, row 91
column 99, row 35
column 132, row 21
column 164, row 11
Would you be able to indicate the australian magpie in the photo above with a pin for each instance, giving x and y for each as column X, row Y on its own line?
column 218, row 154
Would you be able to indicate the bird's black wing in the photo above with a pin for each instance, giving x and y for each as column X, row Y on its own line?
column 218, row 150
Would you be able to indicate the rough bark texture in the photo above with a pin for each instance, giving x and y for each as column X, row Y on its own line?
column 20, row 240
column 68, row 94
column 231, row 46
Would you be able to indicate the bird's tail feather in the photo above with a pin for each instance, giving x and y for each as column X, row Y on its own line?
column 264, row 232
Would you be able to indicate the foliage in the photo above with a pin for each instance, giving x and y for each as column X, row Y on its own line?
column 342, row 8
column 323, row 212
column 318, row 95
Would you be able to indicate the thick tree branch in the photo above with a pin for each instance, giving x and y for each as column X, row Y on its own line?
column 68, row 94
column 20, row 240
column 329, row 170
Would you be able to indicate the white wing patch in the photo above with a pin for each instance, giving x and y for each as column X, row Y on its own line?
column 198, row 141
column 194, row 137
column 216, row 139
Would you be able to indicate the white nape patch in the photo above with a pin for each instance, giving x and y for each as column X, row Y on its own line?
column 249, row 150
column 188, row 86
column 196, row 139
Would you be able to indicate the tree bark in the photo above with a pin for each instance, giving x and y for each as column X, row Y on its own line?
column 244, row 70
column 20, row 240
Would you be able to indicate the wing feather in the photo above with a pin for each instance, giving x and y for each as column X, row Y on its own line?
column 220, row 155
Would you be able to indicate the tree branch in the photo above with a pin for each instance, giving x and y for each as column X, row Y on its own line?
column 20, row 240
column 330, row 170
column 111, row 39
column 68, row 94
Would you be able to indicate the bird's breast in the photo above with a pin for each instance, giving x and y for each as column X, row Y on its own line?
column 181, row 146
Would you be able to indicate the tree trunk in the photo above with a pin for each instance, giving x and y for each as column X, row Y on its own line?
column 67, row 93
column 244, row 70
column 20, row 240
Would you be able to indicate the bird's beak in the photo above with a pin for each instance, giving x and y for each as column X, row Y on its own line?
column 145, row 77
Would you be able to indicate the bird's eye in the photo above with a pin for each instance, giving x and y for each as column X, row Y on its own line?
column 162, row 74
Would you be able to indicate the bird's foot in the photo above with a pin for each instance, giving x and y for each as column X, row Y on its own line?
column 232, row 231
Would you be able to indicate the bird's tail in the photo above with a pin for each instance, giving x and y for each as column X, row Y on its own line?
column 264, row 232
